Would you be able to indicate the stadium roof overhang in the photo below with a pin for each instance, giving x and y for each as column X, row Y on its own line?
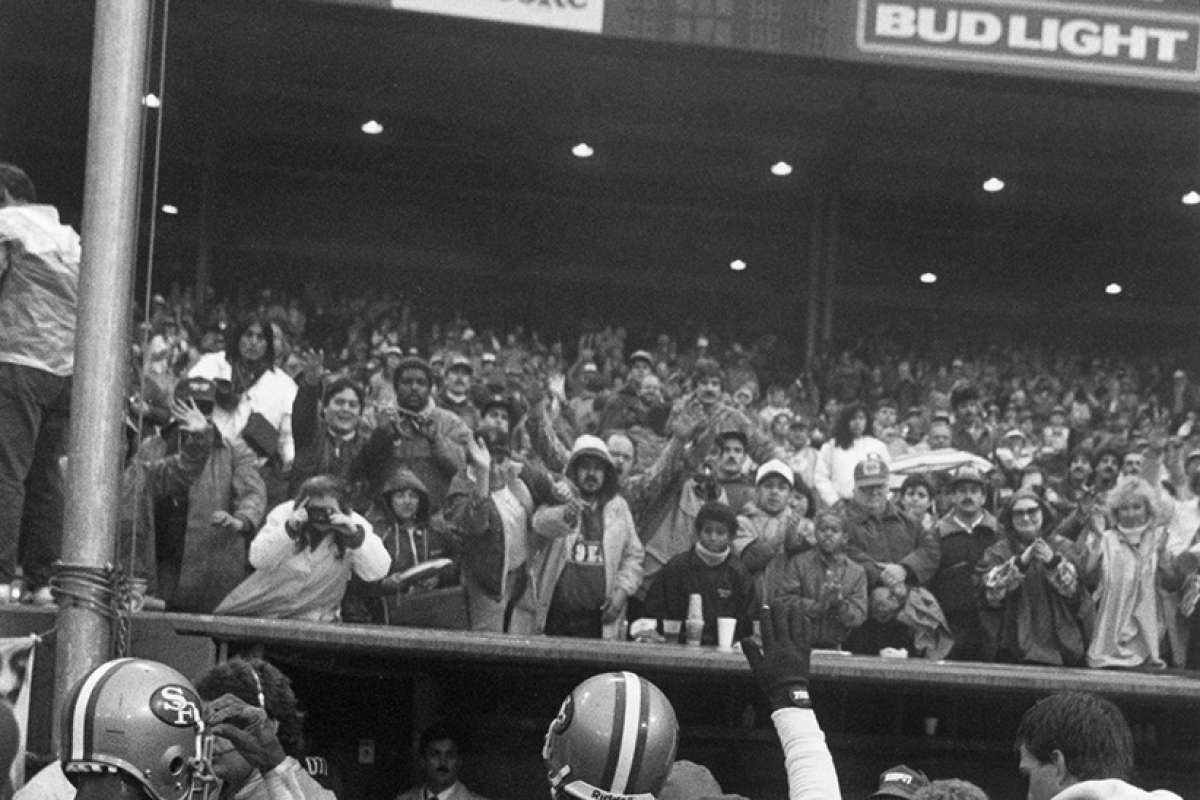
column 264, row 102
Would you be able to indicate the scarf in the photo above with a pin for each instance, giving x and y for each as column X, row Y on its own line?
column 1132, row 536
column 709, row 557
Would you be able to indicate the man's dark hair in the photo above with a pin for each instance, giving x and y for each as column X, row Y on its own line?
column 841, row 429
column 245, row 678
column 438, row 732
column 14, row 181
column 340, row 385
column 1088, row 730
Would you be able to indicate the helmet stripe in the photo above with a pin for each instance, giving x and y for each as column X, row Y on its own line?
column 643, row 730
column 614, row 734
column 83, row 713
column 631, row 729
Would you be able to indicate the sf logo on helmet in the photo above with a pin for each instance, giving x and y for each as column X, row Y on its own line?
column 176, row 706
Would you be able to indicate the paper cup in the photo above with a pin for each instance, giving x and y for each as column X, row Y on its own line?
column 671, row 628
column 725, row 630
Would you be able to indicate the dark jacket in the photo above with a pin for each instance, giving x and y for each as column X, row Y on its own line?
column 319, row 451
column 726, row 591
column 479, row 529
column 889, row 537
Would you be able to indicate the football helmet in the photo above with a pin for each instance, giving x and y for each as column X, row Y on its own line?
column 140, row 718
column 614, row 738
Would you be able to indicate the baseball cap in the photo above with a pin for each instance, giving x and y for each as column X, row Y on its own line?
column 488, row 357
column 967, row 473
column 775, row 467
column 459, row 361
column 900, row 782
column 641, row 355
column 871, row 471
column 1193, row 453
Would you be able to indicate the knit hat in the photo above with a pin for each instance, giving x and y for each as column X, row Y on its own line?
column 871, row 471
column 717, row 512
column 900, row 782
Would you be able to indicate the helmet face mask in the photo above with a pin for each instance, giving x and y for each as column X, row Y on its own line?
column 614, row 738
column 143, row 720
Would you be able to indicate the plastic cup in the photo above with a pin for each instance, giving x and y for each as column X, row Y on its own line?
column 695, row 632
column 725, row 630
column 671, row 628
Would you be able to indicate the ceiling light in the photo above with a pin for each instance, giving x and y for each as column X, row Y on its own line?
column 582, row 150
column 737, row 265
column 781, row 168
column 151, row 101
column 1113, row 288
column 993, row 184
column 372, row 128
column 928, row 277
column 170, row 209
column 1192, row 198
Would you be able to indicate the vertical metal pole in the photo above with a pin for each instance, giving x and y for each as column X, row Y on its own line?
column 208, row 174
column 816, row 257
column 102, row 333
column 830, row 263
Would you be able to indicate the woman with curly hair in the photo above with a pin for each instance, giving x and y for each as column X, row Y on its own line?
column 851, row 443
column 1127, row 563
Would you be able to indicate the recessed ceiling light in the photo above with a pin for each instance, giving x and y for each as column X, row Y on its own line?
column 170, row 209
column 781, row 168
column 372, row 128
column 737, row 265
column 1113, row 288
column 993, row 184
column 1192, row 198
column 582, row 150
column 151, row 101
column 928, row 277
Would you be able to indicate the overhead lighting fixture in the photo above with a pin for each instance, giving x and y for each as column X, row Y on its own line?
column 1192, row 198
column 1113, row 288
column 737, row 265
column 372, row 128
column 928, row 277
column 151, row 101
column 170, row 209
column 993, row 184
column 781, row 169
column 583, row 150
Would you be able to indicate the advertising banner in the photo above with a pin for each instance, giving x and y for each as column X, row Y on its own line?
column 1137, row 42
column 575, row 15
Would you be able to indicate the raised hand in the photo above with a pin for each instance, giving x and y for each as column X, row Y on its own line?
column 190, row 418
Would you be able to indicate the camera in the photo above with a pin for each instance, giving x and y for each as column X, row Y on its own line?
column 319, row 516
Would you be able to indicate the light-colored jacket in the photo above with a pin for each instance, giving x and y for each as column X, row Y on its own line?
column 288, row 781
column 623, row 555
column 39, row 284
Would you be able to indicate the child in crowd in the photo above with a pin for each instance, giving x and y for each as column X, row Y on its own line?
column 828, row 586
column 403, row 518
column 916, row 501
column 710, row 570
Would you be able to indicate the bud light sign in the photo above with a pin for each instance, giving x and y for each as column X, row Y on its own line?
column 1046, row 35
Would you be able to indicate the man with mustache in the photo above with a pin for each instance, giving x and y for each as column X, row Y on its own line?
column 589, row 559
column 441, row 762
column 964, row 535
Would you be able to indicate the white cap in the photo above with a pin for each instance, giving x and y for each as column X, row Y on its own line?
column 775, row 467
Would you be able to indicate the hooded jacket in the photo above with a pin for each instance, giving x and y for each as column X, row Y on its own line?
column 623, row 552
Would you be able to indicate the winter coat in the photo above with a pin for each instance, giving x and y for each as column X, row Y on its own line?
column 725, row 590
column 1035, row 612
column 428, row 443
column 215, row 559
column 805, row 581
column 889, row 537
column 319, row 451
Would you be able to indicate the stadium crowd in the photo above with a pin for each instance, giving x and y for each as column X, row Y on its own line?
column 354, row 459
column 366, row 458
